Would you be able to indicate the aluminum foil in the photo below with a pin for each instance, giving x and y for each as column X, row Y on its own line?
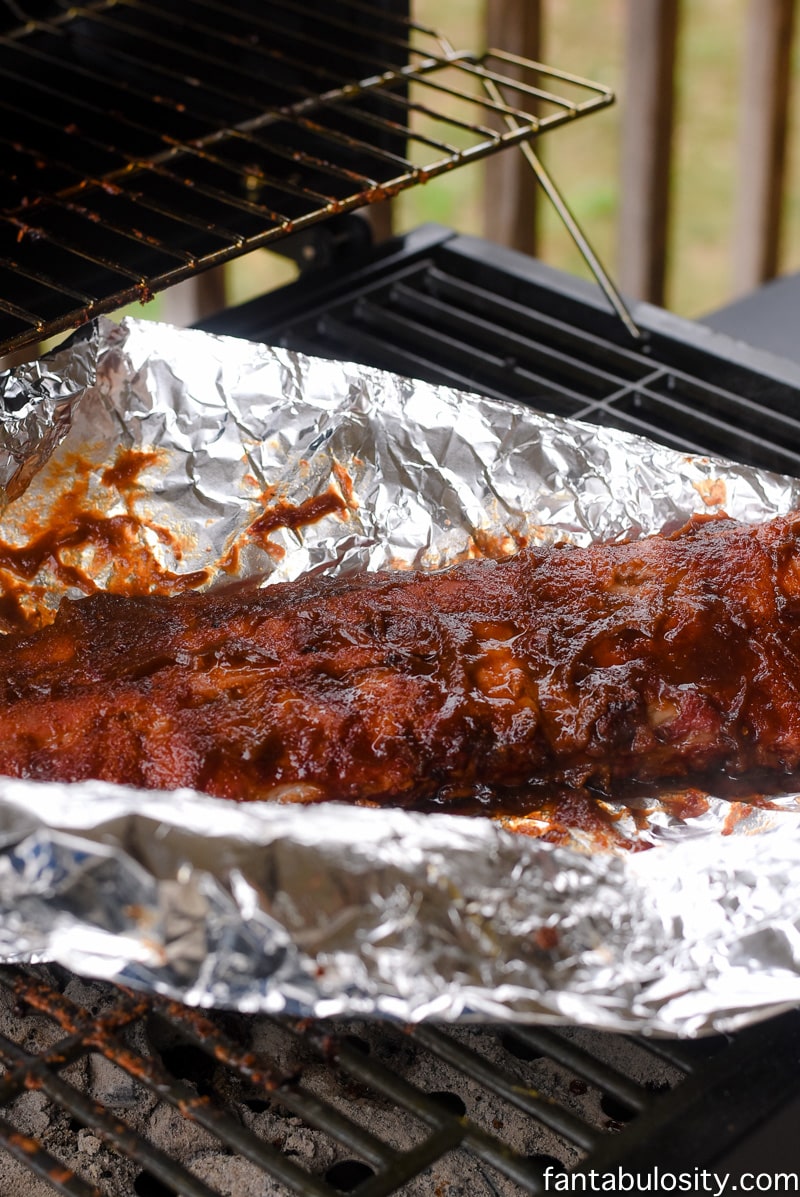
column 166, row 459
column 36, row 404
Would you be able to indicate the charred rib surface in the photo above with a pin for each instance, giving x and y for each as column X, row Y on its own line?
column 647, row 660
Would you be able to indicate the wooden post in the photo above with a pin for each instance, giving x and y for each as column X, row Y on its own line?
column 381, row 219
column 511, row 191
column 762, row 144
column 647, row 119
column 196, row 298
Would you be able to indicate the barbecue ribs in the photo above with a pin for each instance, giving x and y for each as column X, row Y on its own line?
column 647, row 660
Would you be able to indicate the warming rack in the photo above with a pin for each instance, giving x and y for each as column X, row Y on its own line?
column 141, row 145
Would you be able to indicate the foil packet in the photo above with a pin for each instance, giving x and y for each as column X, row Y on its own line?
column 154, row 459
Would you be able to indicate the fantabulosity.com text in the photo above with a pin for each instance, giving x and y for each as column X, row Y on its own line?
column 656, row 1180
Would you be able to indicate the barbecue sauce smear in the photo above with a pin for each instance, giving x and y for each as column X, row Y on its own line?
column 80, row 530
column 84, row 527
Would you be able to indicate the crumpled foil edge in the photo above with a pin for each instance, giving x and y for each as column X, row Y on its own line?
column 37, row 402
column 268, row 912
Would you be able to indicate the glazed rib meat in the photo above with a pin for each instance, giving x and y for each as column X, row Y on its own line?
column 647, row 660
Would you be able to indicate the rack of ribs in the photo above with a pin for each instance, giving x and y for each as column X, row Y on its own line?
column 651, row 659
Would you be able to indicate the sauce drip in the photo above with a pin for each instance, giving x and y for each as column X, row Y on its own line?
column 296, row 515
column 85, row 543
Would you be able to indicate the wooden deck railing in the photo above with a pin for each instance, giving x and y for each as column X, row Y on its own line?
column 763, row 141
column 647, row 143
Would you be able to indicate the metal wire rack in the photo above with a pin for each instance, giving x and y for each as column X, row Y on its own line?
column 225, row 1095
column 141, row 145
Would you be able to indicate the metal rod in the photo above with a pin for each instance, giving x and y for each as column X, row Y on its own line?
column 573, row 228
column 476, row 101
column 350, row 142
column 105, row 1124
column 290, row 1093
column 371, row 1072
column 355, row 30
column 535, row 93
column 542, row 68
column 163, row 14
column 42, row 280
column 30, row 1153
column 12, row 309
column 550, row 1113
column 147, row 1071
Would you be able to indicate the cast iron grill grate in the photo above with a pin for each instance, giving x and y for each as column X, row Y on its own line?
column 142, row 144
column 110, row 1070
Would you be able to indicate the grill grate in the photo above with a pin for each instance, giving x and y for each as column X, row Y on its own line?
column 457, row 311
column 141, row 145
column 104, row 1092
column 554, row 1095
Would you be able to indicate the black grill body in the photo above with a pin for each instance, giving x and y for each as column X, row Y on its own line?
column 108, row 1067
column 465, row 313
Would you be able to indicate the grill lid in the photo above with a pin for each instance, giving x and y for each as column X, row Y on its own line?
column 141, row 145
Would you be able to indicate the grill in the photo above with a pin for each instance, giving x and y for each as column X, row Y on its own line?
column 464, row 313
column 151, row 144
column 107, row 1092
